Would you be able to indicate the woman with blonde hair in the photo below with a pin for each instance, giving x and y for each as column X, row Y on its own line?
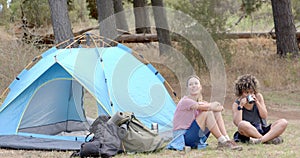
column 195, row 119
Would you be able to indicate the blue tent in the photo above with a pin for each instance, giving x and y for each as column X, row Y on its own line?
column 45, row 102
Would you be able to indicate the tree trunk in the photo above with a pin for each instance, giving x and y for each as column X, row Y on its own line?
column 107, row 22
column 121, row 22
column 284, row 28
column 60, row 22
column 162, row 27
column 142, row 22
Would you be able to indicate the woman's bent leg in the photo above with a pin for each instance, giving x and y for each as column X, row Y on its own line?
column 220, row 123
column 207, row 119
column 246, row 129
column 277, row 128
column 210, row 122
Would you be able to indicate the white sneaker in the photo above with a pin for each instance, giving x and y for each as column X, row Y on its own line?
column 230, row 145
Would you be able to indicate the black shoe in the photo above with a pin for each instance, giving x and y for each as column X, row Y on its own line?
column 277, row 140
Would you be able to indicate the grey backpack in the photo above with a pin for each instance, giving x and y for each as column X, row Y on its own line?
column 134, row 135
column 104, row 143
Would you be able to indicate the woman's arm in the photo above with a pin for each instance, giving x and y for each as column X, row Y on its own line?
column 203, row 106
column 237, row 113
column 216, row 106
column 260, row 103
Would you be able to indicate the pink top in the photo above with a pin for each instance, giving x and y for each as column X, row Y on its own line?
column 184, row 115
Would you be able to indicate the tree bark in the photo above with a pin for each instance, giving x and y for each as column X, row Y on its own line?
column 142, row 22
column 284, row 28
column 137, row 38
column 107, row 22
column 145, row 38
column 162, row 27
column 60, row 22
column 121, row 22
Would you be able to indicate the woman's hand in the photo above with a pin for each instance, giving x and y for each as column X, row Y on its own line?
column 216, row 106
column 243, row 102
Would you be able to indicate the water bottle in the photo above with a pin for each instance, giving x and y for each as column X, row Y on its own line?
column 154, row 127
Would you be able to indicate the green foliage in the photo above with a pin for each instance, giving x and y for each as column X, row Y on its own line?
column 208, row 14
column 296, row 11
column 71, row 4
column 205, row 12
column 15, row 11
column 36, row 12
column 260, row 20
column 78, row 11
column 250, row 6
column 4, row 13
column 92, row 7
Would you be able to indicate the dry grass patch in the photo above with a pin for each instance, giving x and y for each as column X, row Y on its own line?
column 258, row 57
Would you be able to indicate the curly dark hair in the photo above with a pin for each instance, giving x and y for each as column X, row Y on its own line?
column 245, row 82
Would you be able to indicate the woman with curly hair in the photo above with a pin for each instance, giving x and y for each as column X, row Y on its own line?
column 195, row 119
column 250, row 114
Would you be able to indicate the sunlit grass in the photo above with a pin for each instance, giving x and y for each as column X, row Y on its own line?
column 259, row 21
column 283, row 98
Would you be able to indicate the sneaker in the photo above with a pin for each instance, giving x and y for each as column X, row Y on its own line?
column 277, row 140
column 254, row 141
column 230, row 145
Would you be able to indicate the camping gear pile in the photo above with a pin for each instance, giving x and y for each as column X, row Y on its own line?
column 121, row 133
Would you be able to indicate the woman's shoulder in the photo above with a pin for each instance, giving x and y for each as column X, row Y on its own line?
column 185, row 99
column 259, row 94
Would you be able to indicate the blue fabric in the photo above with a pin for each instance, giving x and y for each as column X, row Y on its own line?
column 178, row 142
column 193, row 137
column 50, row 92
column 134, row 87
column 28, row 77
column 116, row 79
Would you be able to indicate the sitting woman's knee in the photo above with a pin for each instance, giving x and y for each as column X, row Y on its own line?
column 209, row 113
column 283, row 123
column 217, row 114
column 243, row 125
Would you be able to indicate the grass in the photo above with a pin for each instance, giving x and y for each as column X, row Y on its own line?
column 261, row 20
column 290, row 148
column 283, row 98
column 258, row 57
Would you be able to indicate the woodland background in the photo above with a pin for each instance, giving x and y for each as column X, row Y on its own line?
column 279, row 76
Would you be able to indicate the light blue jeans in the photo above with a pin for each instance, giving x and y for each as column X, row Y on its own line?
column 194, row 137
